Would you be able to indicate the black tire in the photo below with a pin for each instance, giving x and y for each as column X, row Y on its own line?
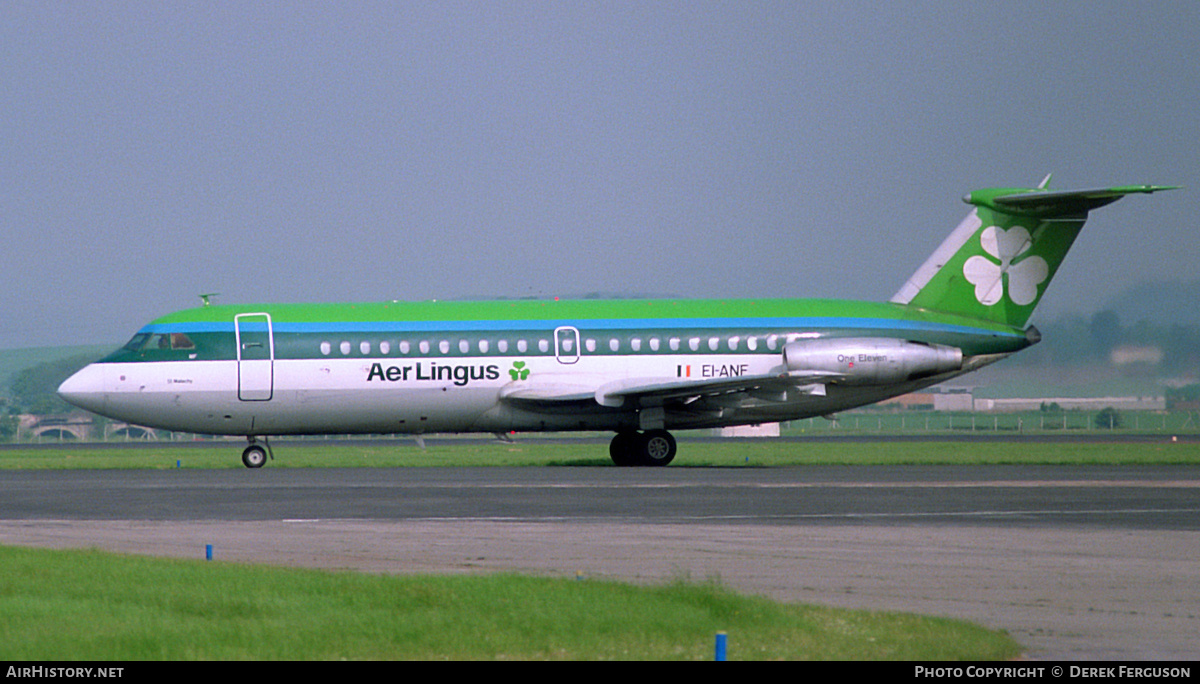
column 254, row 456
column 624, row 448
column 657, row 448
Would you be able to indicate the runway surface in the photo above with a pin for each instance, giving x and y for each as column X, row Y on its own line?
column 1075, row 562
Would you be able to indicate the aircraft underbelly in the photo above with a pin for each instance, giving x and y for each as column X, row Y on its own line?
column 304, row 412
column 400, row 410
column 203, row 397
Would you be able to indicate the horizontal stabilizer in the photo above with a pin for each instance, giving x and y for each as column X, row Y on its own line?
column 1048, row 204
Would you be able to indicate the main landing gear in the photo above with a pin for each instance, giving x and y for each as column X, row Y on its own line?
column 255, row 455
column 649, row 448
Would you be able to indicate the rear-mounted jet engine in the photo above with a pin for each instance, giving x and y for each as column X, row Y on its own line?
column 872, row 361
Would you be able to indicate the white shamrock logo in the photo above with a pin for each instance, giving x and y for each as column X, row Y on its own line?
column 1024, row 276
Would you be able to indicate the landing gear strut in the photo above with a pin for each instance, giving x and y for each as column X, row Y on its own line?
column 255, row 455
column 650, row 448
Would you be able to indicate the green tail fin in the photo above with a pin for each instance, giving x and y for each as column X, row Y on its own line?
column 996, row 265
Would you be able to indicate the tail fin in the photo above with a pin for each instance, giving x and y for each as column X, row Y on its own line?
column 997, row 263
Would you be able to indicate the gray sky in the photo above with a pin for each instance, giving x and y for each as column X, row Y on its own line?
column 367, row 151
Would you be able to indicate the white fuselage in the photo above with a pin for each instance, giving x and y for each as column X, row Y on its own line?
column 416, row 395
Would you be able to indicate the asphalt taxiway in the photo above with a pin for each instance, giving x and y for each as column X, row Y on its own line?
column 1076, row 562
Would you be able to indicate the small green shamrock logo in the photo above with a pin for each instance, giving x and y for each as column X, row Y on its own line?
column 519, row 371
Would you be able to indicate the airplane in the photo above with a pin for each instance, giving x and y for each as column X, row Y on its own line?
column 639, row 368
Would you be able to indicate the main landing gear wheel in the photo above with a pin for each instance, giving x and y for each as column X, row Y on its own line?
column 623, row 448
column 651, row 448
column 255, row 456
column 658, row 448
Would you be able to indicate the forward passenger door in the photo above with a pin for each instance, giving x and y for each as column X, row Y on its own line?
column 255, row 356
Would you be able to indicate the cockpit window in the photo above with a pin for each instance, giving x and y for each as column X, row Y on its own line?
column 137, row 342
column 181, row 341
column 159, row 341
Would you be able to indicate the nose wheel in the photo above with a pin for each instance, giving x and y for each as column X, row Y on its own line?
column 650, row 448
column 255, row 455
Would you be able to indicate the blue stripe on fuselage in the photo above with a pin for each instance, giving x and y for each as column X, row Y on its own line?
column 779, row 323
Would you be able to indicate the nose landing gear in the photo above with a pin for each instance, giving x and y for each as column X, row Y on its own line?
column 255, row 455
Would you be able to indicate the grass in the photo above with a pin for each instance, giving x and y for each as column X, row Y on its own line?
column 93, row 605
column 963, row 423
column 594, row 453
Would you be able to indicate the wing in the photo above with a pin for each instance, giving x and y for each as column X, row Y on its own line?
column 649, row 392
column 547, row 394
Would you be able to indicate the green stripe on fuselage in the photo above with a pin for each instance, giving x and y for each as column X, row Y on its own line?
column 300, row 329
column 574, row 310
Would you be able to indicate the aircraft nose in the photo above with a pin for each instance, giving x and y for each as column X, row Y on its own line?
column 85, row 388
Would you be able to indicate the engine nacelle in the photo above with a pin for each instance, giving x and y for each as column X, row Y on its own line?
column 872, row 361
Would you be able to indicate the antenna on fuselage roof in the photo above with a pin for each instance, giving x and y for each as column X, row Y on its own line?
column 204, row 297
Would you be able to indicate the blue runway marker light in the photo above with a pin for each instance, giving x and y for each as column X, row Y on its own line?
column 719, row 656
column 208, row 552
